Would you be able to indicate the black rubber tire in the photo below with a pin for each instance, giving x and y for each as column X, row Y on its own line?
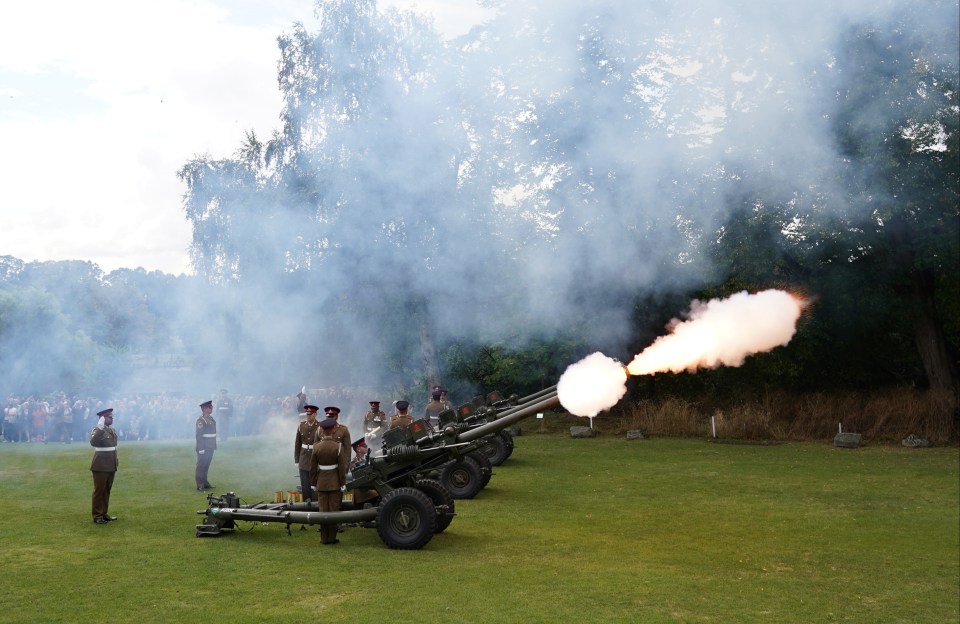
column 508, row 438
column 486, row 467
column 440, row 496
column 495, row 448
column 462, row 478
column 406, row 519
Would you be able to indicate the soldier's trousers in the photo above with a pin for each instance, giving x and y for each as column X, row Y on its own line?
column 328, row 501
column 102, row 484
column 306, row 487
column 203, row 466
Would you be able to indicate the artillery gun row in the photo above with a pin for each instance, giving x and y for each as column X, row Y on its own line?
column 407, row 489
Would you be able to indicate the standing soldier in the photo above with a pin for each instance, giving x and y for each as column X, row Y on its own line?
column 447, row 405
column 340, row 432
column 303, row 449
column 374, row 419
column 224, row 414
column 402, row 419
column 206, row 444
column 434, row 407
column 328, row 465
column 103, row 439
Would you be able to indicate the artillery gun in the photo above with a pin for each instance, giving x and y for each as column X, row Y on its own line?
column 406, row 508
column 486, row 409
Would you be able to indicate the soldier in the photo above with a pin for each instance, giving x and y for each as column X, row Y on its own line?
column 443, row 399
column 434, row 407
column 224, row 414
column 301, row 400
column 103, row 438
column 206, row 445
column 340, row 431
column 374, row 419
column 402, row 419
column 303, row 449
column 360, row 459
column 328, row 466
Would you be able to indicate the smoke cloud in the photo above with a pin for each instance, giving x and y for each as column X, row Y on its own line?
column 571, row 156
column 593, row 384
column 720, row 332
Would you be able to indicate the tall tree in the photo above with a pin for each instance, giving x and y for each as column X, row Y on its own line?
column 897, row 124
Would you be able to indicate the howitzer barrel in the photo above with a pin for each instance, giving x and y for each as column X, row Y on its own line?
column 293, row 517
column 512, row 416
column 536, row 396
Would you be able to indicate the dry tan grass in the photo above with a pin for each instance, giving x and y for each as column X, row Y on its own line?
column 886, row 416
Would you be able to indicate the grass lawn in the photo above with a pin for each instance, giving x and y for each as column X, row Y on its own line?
column 598, row 530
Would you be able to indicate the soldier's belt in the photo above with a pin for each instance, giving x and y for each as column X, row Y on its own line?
column 209, row 435
column 306, row 446
column 104, row 448
column 327, row 467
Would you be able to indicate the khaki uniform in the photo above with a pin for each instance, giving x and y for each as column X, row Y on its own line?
column 302, row 452
column 401, row 420
column 104, row 468
column 432, row 411
column 342, row 433
column 364, row 495
column 328, row 466
column 206, row 445
column 372, row 420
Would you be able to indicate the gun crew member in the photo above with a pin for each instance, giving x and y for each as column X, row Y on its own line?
column 329, row 468
column 303, row 448
column 402, row 419
column 340, row 431
column 374, row 419
column 434, row 407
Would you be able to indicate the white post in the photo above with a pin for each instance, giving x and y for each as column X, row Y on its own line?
column 713, row 426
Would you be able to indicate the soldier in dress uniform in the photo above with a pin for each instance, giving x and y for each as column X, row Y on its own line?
column 206, row 445
column 361, row 455
column 303, row 448
column 328, row 465
column 445, row 400
column 434, row 407
column 374, row 419
column 341, row 432
column 103, row 438
column 402, row 419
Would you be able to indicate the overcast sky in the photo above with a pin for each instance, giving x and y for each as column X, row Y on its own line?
column 102, row 102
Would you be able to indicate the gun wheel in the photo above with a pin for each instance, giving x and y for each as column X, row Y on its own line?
column 442, row 500
column 486, row 467
column 406, row 519
column 462, row 478
column 496, row 449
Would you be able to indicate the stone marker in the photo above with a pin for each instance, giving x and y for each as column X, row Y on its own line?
column 581, row 432
column 915, row 441
column 635, row 434
column 847, row 440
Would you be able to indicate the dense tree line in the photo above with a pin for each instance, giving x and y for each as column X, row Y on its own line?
column 562, row 179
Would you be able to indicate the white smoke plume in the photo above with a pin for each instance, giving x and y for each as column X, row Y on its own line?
column 723, row 332
column 720, row 332
column 592, row 385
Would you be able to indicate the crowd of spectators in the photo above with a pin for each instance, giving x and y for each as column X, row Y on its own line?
column 59, row 418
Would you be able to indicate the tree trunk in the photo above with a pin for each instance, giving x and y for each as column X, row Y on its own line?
column 940, row 369
column 931, row 343
column 428, row 355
